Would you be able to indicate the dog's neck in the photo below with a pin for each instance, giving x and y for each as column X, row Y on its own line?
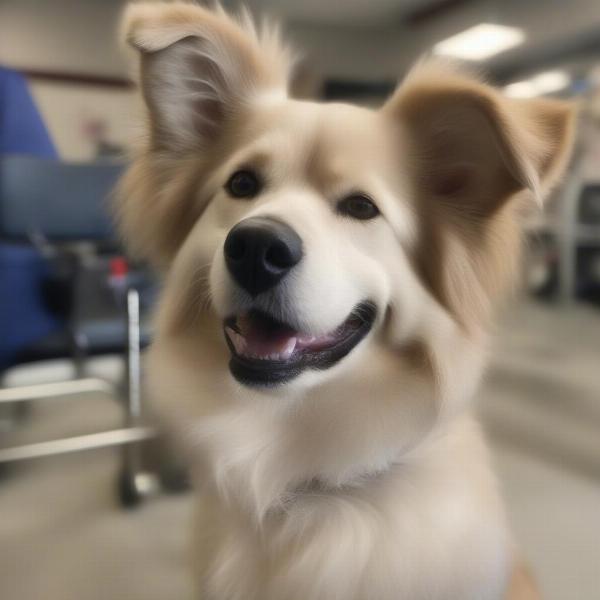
column 409, row 465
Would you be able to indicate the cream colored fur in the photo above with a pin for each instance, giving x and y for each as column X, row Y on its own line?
column 370, row 480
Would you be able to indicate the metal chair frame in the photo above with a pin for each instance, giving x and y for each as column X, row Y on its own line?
column 37, row 220
column 133, row 483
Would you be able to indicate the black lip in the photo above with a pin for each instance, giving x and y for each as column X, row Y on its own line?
column 261, row 373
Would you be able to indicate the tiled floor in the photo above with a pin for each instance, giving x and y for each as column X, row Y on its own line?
column 63, row 536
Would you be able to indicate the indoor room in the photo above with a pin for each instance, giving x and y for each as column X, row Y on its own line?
column 274, row 281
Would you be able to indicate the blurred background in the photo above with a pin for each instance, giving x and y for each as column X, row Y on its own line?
column 90, row 508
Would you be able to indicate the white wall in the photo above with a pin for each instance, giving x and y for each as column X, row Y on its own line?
column 73, row 36
column 80, row 36
column 65, row 35
column 69, row 110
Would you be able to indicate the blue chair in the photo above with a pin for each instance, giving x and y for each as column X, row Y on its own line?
column 22, row 130
column 22, row 268
column 63, row 201
column 61, row 210
column 48, row 207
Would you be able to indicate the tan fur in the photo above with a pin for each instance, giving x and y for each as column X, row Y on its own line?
column 149, row 28
column 486, row 148
column 522, row 585
column 368, row 480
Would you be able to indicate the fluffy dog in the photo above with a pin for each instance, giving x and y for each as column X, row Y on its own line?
column 330, row 274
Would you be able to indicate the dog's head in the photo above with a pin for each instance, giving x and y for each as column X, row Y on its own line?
column 298, row 234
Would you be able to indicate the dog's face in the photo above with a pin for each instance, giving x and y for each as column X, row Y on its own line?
column 315, row 229
column 300, row 235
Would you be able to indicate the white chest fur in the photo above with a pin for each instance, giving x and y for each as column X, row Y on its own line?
column 431, row 528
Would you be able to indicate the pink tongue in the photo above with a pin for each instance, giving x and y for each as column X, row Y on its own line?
column 262, row 345
column 263, row 341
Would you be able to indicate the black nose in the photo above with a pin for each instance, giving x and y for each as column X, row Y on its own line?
column 260, row 251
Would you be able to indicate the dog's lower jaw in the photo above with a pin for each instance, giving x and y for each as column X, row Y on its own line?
column 433, row 528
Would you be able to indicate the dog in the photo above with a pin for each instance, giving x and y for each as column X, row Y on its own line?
column 330, row 277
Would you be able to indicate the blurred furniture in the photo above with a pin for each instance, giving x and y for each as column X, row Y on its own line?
column 588, row 242
column 22, row 268
column 567, row 240
column 60, row 210
column 576, row 236
column 22, row 130
column 576, row 224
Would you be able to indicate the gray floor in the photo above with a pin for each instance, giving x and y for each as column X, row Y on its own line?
column 541, row 405
column 63, row 536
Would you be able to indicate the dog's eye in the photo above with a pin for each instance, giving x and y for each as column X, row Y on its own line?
column 243, row 184
column 358, row 206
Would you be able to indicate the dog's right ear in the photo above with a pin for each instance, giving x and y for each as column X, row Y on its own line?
column 471, row 147
column 200, row 69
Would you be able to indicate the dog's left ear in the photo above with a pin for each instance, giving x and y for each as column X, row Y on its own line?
column 470, row 147
column 201, row 69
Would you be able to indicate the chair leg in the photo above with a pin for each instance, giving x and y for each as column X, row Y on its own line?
column 133, row 378
column 133, row 483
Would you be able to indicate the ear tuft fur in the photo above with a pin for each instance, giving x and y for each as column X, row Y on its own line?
column 201, row 67
column 153, row 26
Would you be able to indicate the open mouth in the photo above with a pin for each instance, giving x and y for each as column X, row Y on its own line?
column 268, row 352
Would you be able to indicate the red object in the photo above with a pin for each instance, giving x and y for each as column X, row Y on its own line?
column 118, row 267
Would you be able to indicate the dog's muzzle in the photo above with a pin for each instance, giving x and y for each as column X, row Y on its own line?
column 268, row 350
column 260, row 252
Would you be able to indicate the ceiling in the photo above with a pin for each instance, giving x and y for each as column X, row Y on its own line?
column 339, row 12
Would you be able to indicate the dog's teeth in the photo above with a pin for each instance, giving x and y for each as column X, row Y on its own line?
column 289, row 349
column 238, row 341
column 306, row 340
column 242, row 348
